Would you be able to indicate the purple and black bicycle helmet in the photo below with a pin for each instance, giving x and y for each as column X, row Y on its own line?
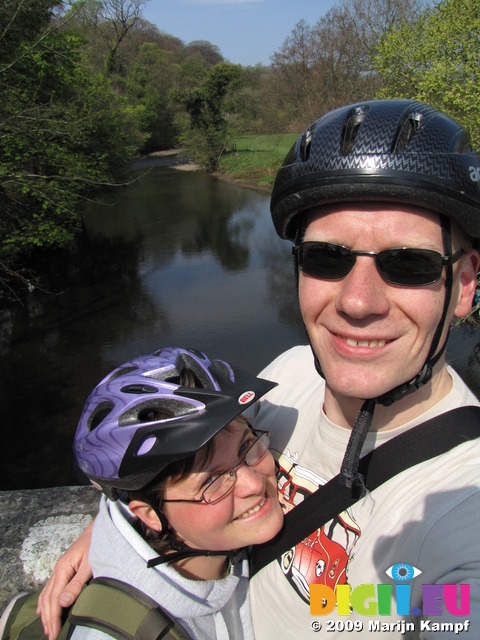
column 380, row 150
column 139, row 418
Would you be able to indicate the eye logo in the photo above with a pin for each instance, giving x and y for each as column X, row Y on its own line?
column 402, row 572
column 373, row 600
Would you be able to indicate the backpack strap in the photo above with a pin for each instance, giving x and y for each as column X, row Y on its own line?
column 20, row 621
column 122, row 611
column 423, row 442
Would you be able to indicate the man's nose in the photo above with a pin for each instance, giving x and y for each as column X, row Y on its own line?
column 363, row 292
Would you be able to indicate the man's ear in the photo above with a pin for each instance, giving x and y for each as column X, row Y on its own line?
column 469, row 266
column 146, row 514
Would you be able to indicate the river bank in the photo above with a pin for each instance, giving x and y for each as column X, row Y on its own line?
column 250, row 161
column 36, row 526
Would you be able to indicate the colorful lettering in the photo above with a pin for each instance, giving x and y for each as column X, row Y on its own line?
column 368, row 600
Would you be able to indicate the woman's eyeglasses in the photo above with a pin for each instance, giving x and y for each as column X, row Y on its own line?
column 404, row 267
column 224, row 483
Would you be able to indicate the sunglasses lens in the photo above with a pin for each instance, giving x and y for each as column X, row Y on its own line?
column 324, row 260
column 410, row 267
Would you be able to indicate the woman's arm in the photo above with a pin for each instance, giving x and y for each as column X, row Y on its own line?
column 70, row 574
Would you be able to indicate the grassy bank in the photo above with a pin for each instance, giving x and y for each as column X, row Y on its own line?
column 255, row 159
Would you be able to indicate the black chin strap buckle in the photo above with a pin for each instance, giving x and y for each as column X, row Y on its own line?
column 407, row 388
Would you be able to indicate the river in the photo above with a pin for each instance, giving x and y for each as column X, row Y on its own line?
column 176, row 258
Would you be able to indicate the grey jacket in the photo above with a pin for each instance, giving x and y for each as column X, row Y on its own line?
column 206, row 609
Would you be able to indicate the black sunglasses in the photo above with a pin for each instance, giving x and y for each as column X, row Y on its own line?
column 404, row 267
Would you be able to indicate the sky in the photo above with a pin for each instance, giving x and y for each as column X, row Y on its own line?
column 247, row 32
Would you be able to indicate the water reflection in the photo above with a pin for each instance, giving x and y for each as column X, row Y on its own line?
column 176, row 258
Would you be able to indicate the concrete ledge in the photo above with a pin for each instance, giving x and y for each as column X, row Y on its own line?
column 36, row 526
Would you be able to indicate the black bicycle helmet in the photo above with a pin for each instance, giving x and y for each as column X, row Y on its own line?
column 382, row 150
column 140, row 418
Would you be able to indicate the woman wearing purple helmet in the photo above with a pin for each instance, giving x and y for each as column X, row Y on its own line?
column 188, row 485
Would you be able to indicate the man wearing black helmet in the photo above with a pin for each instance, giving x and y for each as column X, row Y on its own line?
column 380, row 203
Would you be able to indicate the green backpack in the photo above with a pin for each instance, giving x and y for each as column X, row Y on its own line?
column 112, row 606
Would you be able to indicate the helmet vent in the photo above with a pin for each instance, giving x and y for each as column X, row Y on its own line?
column 406, row 132
column 194, row 370
column 351, row 128
column 463, row 143
column 138, row 389
column 155, row 410
column 224, row 369
column 306, row 143
column 153, row 414
column 99, row 414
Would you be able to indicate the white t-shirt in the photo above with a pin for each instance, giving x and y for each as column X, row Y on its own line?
column 426, row 518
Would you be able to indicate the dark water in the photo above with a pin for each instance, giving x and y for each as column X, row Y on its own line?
column 177, row 258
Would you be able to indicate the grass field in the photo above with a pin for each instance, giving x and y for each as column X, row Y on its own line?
column 255, row 159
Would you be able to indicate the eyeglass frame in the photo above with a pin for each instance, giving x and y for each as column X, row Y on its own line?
column 446, row 260
column 231, row 471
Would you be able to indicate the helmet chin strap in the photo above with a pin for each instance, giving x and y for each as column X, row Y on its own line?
column 181, row 550
column 349, row 469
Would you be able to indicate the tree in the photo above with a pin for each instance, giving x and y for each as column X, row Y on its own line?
column 149, row 80
column 294, row 65
column 121, row 16
column 206, row 52
column 206, row 134
column 109, row 21
column 321, row 67
column 63, row 132
column 368, row 22
column 437, row 60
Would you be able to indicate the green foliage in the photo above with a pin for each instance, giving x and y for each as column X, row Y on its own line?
column 207, row 132
column 146, row 86
column 192, row 73
column 437, row 60
column 63, row 132
column 205, row 52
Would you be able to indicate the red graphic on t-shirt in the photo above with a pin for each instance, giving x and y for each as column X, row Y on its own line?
column 323, row 556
